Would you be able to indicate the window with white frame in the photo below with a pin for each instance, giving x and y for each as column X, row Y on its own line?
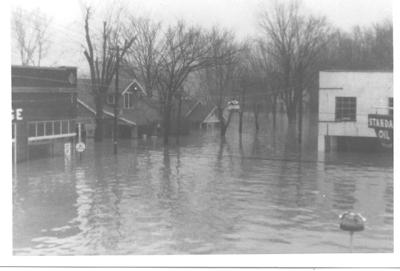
column 50, row 128
column 128, row 100
column 346, row 109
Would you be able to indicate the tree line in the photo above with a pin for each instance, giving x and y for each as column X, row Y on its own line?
column 277, row 66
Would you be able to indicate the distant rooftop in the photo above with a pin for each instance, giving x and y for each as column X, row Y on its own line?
column 42, row 67
column 43, row 77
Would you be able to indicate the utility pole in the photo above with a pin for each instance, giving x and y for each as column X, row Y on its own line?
column 115, row 139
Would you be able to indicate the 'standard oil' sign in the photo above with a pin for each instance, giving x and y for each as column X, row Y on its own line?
column 380, row 121
column 383, row 125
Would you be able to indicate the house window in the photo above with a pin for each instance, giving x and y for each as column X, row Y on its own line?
column 110, row 99
column 391, row 106
column 128, row 100
column 346, row 109
column 57, row 127
column 32, row 129
column 50, row 128
column 40, row 129
column 64, row 127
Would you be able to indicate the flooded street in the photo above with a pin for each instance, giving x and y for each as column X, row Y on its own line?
column 262, row 194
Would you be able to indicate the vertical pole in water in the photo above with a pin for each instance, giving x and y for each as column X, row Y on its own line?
column 79, row 138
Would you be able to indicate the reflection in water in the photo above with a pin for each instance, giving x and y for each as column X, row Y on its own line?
column 259, row 193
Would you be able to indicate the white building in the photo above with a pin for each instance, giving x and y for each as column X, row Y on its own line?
column 345, row 100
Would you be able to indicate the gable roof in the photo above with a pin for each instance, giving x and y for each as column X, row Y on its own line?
column 201, row 112
column 135, row 84
column 188, row 105
column 144, row 111
column 106, row 112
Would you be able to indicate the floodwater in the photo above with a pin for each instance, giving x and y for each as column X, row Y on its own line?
column 262, row 194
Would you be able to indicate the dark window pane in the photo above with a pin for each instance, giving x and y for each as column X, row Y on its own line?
column 12, row 129
column 57, row 126
column 72, row 127
column 40, row 129
column 32, row 129
column 64, row 129
column 345, row 109
column 130, row 100
column 126, row 105
column 49, row 128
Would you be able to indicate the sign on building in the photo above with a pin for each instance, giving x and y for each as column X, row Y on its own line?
column 383, row 126
column 17, row 114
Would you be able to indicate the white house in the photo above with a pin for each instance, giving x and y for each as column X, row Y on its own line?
column 346, row 98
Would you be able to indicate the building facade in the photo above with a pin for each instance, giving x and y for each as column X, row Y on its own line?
column 43, row 110
column 348, row 101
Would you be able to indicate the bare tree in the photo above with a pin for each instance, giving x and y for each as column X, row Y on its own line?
column 219, row 76
column 184, row 51
column 270, row 81
column 362, row 48
column 102, row 62
column 143, row 58
column 294, row 42
column 244, row 81
column 31, row 34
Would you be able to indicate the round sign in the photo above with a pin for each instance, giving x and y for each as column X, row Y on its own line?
column 80, row 147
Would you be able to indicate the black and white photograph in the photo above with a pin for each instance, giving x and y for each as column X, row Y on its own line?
column 200, row 127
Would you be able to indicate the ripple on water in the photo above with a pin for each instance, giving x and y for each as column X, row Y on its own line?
column 258, row 197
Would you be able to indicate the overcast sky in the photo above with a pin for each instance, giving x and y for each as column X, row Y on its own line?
column 237, row 15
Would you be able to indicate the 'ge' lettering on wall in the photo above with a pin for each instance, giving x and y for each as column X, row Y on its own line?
column 17, row 114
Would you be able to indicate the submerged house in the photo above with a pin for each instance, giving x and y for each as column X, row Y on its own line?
column 138, row 115
column 44, row 110
column 203, row 115
column 355, row 110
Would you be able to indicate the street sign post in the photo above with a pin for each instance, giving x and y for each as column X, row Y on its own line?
column 80, row 146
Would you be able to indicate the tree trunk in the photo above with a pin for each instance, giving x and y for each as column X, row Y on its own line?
column 178, row 128
column 225, row 126
column 242, row 105
column 167, row 119
column 221, row 121
column 300, row 117
column 99, row 130
column 274, row 107
column 256, row 113
column 240, row 122
column 291, row 113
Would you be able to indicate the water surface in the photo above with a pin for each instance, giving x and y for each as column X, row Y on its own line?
column 258, row 194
